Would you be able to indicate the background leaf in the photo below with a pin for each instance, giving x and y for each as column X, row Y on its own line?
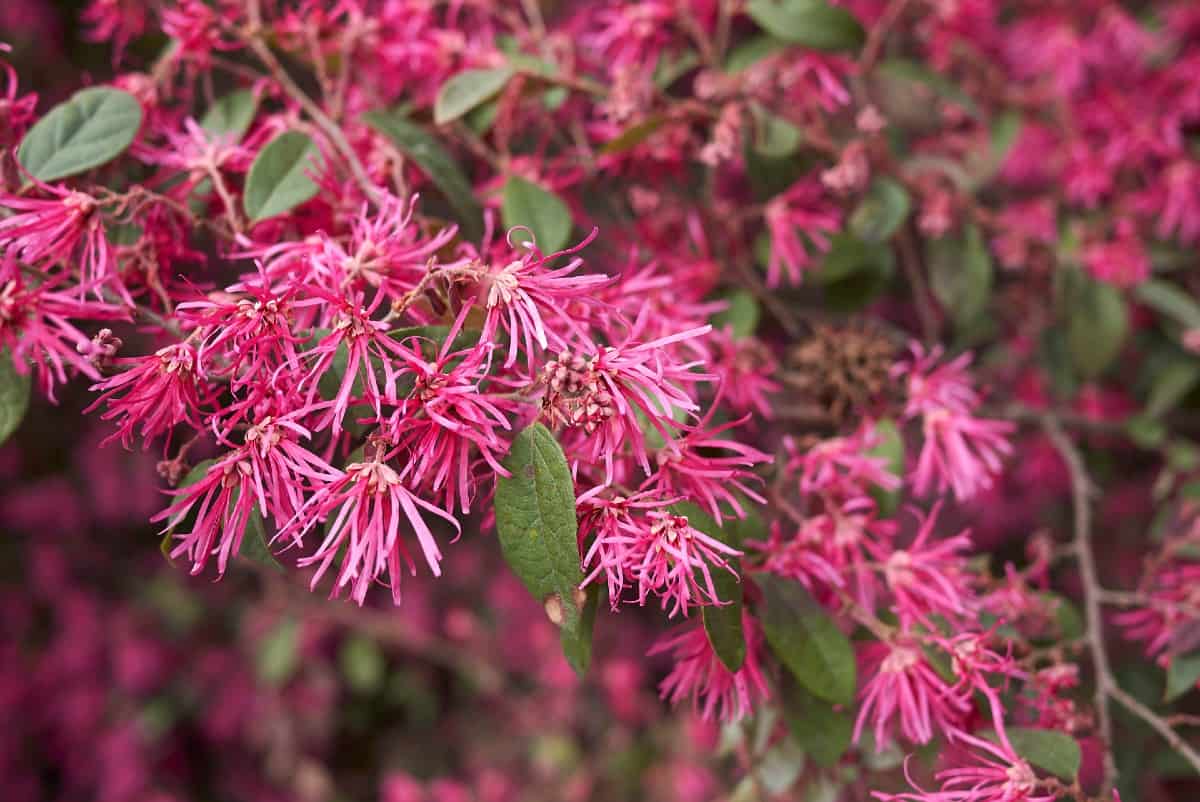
column 811, row 23
column 14, row 395
column 231, row 114
column 823, row 732
column 466, row 90
column 1097, row 323
column 92, row 128
column 807, row 641
column 277, row 181
column 1050, row 750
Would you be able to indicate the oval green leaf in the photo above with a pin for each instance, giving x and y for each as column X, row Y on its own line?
column 278, row 180
column 809, row 23
column 807, row 641
column 92, row 128
column 540, row 210
column 535, row 521
column 14, row 395
column 231, row 114
column 881, row 213
column 1053, row 751
column 466, row 90
column 1182, row 674
column 1097, row 323
column 823, row 732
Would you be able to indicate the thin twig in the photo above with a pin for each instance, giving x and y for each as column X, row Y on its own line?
column 1158, row 724
column 1082, row 538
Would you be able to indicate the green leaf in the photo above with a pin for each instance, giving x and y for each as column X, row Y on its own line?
column 278, row 655
column 277, row 181
column 535, row 521
column 1050, row 750
column 742, row 314
column 722, row 622
column 881, row 213
column 540, row 210
column 822, row 732
column 906, row 83
column 466, row 90
column 254, row 546
column 363, row 664
column 634, row 135
column 983, row 164
column 774, row 137
column 436, row 162
column 231, row 114
column 1097, row 323
column 672, row 67
column 92, row 128
column 1168, row 299
column 807, row 641
column 1171, row 383
column 854, row 272
column 576, row 642
column 810, row 23
column 891, row 448
column 1182, row 673
column 752, row 51
column 961, row 276
column 14, row 395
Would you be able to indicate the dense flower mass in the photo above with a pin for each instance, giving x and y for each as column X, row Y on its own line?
column 847, row 336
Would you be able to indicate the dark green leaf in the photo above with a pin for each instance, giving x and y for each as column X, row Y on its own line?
column 576, row 642
column 961, row 276
column 535, row 521
column 823, row 732
column 882, row 211
column 14, row 395
column 538, row 209
column 231, row 114
column 1097, row 323
column 722, row 622
column 436, row 162
column 807, row 641
column 94, row 127
column 810, row 23
column 741, row 315
column 854, row 272
column 466, row 90
column 254, row 545
column 1182, row 673
column 1053, row 751
column 891, row 448
column 278, row 180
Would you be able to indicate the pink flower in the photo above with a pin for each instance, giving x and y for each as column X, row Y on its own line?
column 65, row 231
column 116, row 21
column 698, row 674
column 903, row 684
column 638, row 541
column 447, row 419
column 223, row 500
column 928, row 578
column 156, row 393
column 1122, row 261
column 694, row 467
column 996, row 774
column 35, row 327
column 369, row 504
column 599, row 398
column 520, row 295
column 801, row 210
column 960, row 452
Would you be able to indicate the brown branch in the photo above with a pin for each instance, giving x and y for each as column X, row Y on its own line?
column 1093, row 594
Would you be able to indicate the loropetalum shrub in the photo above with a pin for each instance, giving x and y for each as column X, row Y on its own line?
column 819, row 330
